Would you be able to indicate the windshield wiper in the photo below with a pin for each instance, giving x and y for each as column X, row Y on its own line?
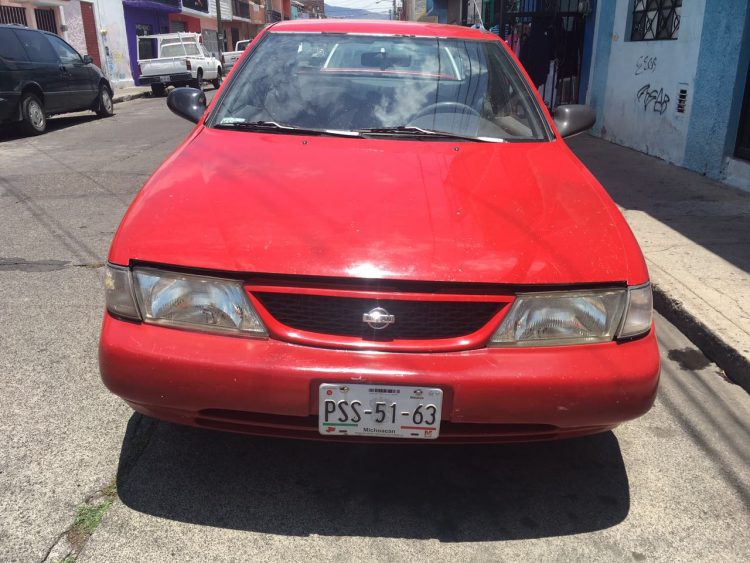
column 271, row 126
column 414, row 131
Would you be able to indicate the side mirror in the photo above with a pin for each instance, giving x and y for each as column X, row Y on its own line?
column 87, row 60
column 573, row 119
column 189, row 103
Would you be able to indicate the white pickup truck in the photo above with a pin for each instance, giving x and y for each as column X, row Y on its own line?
column 182, row 60
column 230, row 57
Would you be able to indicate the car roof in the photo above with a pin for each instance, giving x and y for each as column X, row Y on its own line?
column 26, row 28
column 382, row 27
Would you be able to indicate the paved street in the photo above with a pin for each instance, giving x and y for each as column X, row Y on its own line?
column 673, row 485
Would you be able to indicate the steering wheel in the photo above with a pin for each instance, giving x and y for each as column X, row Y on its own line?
column 443, row 107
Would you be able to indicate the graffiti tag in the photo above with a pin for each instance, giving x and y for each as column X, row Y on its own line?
column 646, row 95
column 645, row 63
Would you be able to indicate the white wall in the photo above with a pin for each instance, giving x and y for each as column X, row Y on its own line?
column 113, row 42
column 643, row 83
column 74, row 22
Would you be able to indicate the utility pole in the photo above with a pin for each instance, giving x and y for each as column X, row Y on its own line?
column 219, row 31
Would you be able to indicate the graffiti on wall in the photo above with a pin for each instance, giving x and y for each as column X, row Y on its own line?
column 645, row 63
column 651, row 96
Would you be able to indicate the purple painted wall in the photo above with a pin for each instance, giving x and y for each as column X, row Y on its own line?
column 141, row 13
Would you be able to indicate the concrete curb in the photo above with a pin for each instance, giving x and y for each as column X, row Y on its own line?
column 735, row 365
column 116, row 99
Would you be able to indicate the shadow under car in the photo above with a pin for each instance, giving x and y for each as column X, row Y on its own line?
column 447, row 492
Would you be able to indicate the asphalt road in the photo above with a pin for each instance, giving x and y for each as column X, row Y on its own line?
column 674, row 484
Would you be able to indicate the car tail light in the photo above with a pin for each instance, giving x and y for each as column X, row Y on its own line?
column 188, row 65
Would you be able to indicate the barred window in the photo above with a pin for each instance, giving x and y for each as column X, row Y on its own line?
column 655, row 19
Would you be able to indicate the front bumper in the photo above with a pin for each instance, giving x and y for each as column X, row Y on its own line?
column 269, row 387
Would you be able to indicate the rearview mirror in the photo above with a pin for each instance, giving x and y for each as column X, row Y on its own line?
column 189, row 103
column 87, row 60
column 382, row 60
column 573, row 119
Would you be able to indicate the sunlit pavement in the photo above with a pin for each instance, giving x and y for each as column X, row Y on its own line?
column 672, row 485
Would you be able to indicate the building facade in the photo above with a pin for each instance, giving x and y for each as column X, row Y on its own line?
column 670, row 78
column 248, row 18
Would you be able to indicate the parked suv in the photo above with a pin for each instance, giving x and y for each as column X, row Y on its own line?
column 41, row 75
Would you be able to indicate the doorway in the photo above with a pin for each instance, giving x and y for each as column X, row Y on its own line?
column 548, row 38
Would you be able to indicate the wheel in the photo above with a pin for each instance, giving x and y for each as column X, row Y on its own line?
column 198, row 82
column 105, row 107
column 158, row 90
column 446, row 107
column 219, row 79
column 33, row 120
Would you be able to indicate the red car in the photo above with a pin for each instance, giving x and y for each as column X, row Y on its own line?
column 376, row 231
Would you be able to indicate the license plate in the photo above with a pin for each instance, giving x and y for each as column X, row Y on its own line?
column 384, row 411
column 164, row 78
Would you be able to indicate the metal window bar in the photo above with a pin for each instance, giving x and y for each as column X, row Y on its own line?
column 11, row 14
column 45, row 19
column 654, row 20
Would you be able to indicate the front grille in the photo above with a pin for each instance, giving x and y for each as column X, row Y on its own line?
column 342, row 316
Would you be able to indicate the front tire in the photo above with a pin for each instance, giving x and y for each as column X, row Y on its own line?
column 105, row 107
column 218, row 80
column 158, row 90
column 33, row 119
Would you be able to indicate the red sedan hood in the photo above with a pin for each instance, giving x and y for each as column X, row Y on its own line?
column 515, row 213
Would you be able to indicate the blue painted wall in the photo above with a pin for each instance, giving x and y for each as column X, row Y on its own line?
column 605, row 20
column 588, row 48
column 719, row 86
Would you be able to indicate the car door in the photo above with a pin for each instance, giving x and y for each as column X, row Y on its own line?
column 44, row 68
column 82, row 88
column 14, row 66
column 211, row 64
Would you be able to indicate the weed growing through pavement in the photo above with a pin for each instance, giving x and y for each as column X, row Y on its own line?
column 88, row 518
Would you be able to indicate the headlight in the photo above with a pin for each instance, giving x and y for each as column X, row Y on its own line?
column 195, row 302
column 559, row 318
column 181, row 300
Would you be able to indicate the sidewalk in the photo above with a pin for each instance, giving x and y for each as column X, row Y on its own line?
column 127, row 94
column 695, row 234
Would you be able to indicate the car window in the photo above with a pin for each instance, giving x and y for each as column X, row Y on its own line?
column 242, row 44
column 205, row 51
column 10, row 47
column 67, row 54
column 146, row 48
column 180, row 50
column 358, row 82
column 37, row 48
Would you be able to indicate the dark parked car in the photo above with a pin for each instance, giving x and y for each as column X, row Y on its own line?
column 41, row 75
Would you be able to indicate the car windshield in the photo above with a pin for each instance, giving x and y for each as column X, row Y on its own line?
column 382, row 85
